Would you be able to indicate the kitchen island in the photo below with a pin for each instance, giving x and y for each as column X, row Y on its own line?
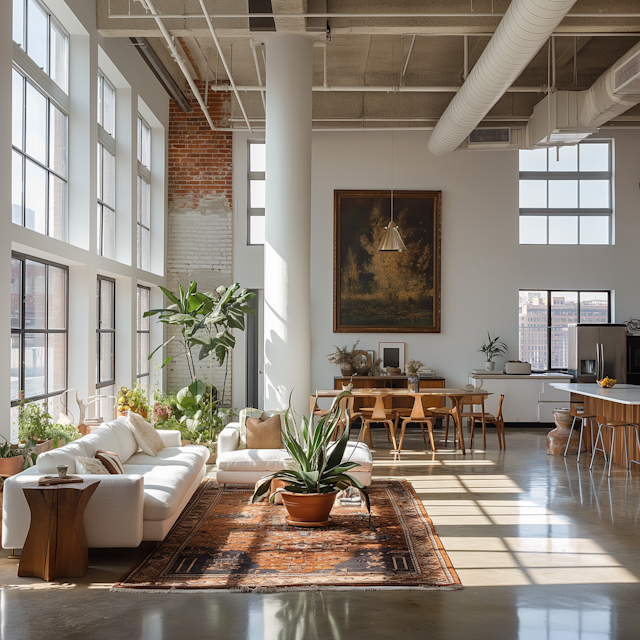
column 620, row 403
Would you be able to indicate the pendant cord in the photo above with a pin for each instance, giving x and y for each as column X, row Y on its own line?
column 392, row 175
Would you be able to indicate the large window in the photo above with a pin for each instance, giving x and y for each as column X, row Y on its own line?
column 38, row 329
column 106, row 342
column 544, row 317
column 143, row 336
column 106, row 168
column 256, row 193
column 566, row 194
column 144, row 194
column 39, row 160
column 44, row 40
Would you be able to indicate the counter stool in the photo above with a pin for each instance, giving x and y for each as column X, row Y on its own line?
column 635, row 426
column 583, row 417
column 614, row 425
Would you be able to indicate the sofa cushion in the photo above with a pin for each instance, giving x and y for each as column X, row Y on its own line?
column 104, row 439
column 264, row 434
column 253, row 460
column 360, row 453
column 110, row 460
column 145, row 434
column 191, row 456
column 127, row 444
column 90, row 466
column 48, row 461
column 244, row 414
column 164, row 488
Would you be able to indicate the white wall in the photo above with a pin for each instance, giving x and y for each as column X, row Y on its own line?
column 483, row 266
column 135, row 86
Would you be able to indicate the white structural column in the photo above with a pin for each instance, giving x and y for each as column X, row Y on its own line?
column 287, row 321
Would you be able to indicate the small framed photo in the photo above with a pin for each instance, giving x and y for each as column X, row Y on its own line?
column 392, row 354
column 372, row 354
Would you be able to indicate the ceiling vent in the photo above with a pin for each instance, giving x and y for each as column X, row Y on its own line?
column 497, row 138
column 627, row 77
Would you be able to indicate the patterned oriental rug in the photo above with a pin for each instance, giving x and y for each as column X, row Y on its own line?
column 222, row 542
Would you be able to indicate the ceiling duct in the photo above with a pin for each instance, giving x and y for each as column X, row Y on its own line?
column 566, row 117
column 523, row 30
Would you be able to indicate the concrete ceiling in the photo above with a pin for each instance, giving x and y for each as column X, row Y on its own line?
column 372, row 51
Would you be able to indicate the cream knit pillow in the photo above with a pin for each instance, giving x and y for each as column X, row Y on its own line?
column 145, row 434
column 90, row 466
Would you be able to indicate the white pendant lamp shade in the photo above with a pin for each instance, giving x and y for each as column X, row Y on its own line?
column 391, row 240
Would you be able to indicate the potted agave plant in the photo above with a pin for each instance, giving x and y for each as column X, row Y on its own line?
column 317, row 472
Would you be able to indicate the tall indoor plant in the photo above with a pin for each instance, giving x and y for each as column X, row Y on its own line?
column 491, row 349
column 318, row 471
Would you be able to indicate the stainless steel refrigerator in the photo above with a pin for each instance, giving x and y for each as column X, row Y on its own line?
column 597, row 351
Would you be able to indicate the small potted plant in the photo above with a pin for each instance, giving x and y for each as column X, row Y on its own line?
column 343, row 357
column 35, row 426
column 11, row 459
column 318, row 471
column 411, row 369
column 132, row 400
column 491, row 349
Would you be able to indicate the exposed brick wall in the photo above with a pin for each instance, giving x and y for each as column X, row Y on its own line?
column 199, row 243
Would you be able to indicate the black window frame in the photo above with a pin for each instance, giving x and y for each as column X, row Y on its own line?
column 549, row 318
column 100, row 331
column 140, row 332
column 22, row 331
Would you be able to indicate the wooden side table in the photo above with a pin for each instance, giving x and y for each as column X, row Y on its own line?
column 56, row 545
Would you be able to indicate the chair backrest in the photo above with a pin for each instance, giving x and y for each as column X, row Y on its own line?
column 469, row 401
column 577, row 410
column 378, row 410
column 499, row 412
column 417, row 412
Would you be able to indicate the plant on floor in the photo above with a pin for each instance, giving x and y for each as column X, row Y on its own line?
column 319, row 466
column 343, row 357
column 493, row 347
column 205, row 322
column 132, row 400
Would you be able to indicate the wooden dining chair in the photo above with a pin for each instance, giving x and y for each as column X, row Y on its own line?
column 486, row 418
column 379, row 414
column 346, row 405
column 418, row 415
column 445, row 413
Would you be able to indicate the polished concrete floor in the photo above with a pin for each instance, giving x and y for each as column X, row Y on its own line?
column 546, row 551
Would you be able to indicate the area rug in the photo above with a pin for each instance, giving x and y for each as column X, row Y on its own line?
column 222, row 542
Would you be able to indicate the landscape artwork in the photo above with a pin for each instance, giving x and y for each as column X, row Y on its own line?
column 386, row 291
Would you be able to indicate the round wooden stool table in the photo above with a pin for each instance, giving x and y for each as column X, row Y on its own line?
column 56, row 545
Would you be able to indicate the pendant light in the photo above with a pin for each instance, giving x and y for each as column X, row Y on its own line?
column 391, row 240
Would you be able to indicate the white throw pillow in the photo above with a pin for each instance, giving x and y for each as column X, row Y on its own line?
column 244, row 414
column 90, row 466
column 146, row 436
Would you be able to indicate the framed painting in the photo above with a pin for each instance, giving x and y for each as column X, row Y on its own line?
column 386, row 291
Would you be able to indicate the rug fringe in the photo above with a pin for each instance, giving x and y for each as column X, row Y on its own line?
column 268, row 590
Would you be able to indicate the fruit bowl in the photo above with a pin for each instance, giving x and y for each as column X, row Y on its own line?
column 607, row 383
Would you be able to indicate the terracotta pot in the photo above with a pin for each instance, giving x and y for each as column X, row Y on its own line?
column 11, row 466
column 140, row 413
column 557, row 439
column 309, row 507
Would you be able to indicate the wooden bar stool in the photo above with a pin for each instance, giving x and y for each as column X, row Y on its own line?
column 583, row 417
column 635, row 427
column 614, row 425
column 418, row 415
column 379, row 414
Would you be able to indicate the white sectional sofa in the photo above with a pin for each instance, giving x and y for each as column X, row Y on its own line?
column 247, row 466
column 126, row 509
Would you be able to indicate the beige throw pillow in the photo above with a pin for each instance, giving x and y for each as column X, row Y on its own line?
column 264, row 435
column 145, row 434
column 90, row 466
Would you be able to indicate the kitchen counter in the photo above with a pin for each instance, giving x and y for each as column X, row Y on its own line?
column 530, row 376
column 621, row 393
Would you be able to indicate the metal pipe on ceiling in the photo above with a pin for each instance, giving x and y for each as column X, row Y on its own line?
column 406, row 62
column 224, row 62
column 149, row 6
column 525, row 28
column 255, row 60
column 381, row 89
column 235, row 16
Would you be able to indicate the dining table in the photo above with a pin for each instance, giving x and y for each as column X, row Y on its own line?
column 456, row 395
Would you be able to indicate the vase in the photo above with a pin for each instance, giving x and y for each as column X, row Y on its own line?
column 308, row 509
column 558, row 437
column 413, row 383
column 489, row 365
column 346, row 370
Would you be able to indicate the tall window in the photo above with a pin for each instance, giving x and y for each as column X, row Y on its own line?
column 106, row 342
column 566, row 194
column 143, row 336
column 38, row 329
column 44, row 40
column 544, row 317
column 256, row 199
column 144, row 194
column 39, row 160
column 106, row 168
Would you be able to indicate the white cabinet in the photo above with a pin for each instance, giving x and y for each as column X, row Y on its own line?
column 526, row 398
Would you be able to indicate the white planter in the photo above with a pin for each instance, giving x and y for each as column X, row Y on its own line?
column 489, row 366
